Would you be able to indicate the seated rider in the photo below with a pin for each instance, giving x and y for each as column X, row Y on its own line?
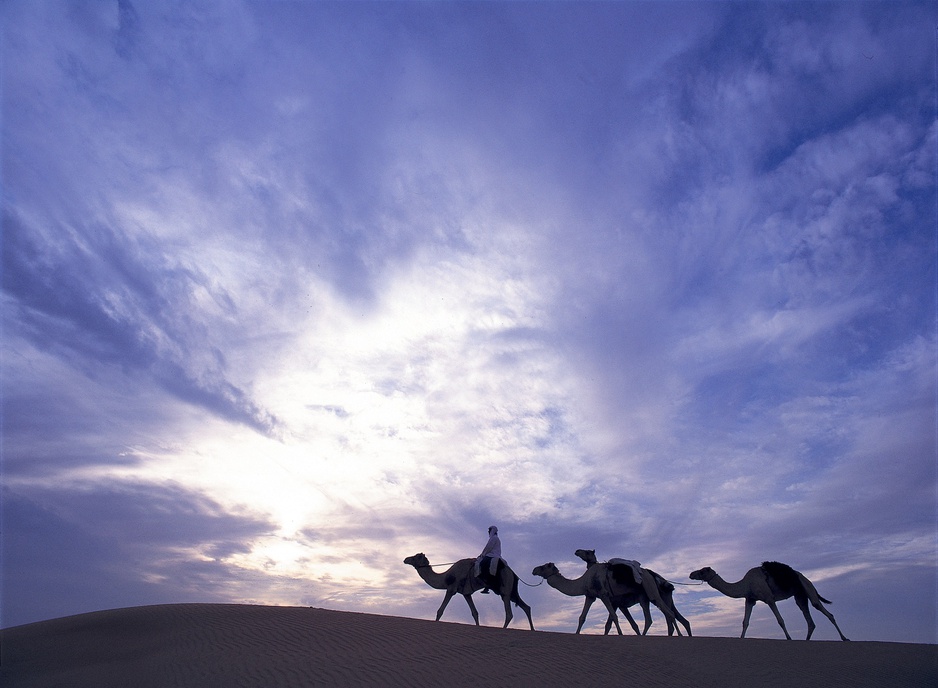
column 493, row 549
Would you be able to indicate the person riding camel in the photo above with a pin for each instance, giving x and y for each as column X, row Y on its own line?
column 493, row 550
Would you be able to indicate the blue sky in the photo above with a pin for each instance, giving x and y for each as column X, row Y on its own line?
column 292, row 291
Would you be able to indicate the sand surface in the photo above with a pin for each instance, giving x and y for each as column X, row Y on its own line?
column 241, row 645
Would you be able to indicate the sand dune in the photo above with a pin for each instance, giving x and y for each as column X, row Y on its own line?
column 241, row 645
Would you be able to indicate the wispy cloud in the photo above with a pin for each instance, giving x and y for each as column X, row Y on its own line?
column 340, row 283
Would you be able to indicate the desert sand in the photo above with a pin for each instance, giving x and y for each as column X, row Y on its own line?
column 243, row 645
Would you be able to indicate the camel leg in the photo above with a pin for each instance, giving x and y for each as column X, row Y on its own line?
column 647, row 612
column 679, row 617
column 472, row 608
column 525, row 607
column 446, row 598
column 628, row 617
column 654, row 595
column 820, row 608
column 749, row 605
column 669, row 600
column 587, row 603
column 802, row 603
column 609, row 621
column 671, row 624
column 527, row 612
column 612, row 618
column 506, row 598
column 781, row 621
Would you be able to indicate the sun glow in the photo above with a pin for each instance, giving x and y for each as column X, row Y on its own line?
column 369, row 405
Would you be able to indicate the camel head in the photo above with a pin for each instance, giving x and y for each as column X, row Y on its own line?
column 545, row 570
column 587, row 555
column 417, row 561
column 706, row 574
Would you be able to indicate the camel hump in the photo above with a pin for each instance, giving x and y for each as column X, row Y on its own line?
column 785, row 577
column 626, row 571
column 622, row 574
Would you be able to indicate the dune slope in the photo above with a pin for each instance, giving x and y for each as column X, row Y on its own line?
column 242, row 645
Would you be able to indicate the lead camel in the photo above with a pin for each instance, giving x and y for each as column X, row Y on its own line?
column 459, row 579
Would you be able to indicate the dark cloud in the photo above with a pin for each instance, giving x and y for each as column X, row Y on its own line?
column 105, row 546
column 109, row 300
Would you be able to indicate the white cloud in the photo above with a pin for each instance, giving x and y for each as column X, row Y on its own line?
column 368, row 288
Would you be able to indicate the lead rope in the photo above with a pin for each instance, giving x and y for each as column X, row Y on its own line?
column 530, row 585
column 450, row 563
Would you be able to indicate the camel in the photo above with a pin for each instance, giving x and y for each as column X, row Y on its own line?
column 459, row 578
column 593, row 584
column 771, row 583
column 623, row 602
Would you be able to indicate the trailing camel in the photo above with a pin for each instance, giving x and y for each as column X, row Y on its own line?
column 770, row 583
column 459, row 578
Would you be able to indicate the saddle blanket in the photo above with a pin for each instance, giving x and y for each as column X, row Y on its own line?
column 631, row 563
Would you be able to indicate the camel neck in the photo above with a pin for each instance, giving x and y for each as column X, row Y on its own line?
column 737, row 589
column 568, row 586
column 431, row 577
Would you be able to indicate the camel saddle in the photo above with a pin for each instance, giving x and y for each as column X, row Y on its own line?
column 626, row 571
column 491, row 581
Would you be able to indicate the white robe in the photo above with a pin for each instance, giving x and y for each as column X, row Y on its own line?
column 493, row 548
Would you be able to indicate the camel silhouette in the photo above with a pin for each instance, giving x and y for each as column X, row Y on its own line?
column 638, row 595
column 593, row 584
column 770, row 583
column 459, row 578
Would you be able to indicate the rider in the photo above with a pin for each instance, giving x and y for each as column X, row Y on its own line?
column 493, row 549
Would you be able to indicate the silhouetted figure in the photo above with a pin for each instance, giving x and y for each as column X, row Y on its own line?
column 460, row 579
column 770, row 583
column 492, row 550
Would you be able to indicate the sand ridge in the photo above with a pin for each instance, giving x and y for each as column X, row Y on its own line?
column 244, row 645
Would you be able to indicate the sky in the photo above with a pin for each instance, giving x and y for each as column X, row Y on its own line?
column 292, row 291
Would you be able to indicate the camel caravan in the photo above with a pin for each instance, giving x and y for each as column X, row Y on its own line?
column 619, row 584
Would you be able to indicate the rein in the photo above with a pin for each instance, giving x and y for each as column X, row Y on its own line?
column 450, row 563
column 530, row 585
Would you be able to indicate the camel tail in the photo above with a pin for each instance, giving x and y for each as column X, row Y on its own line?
column 809, row 588
column 663, row 583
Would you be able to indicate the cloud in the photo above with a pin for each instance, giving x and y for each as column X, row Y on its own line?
column 121, row 544
column 345, row 282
